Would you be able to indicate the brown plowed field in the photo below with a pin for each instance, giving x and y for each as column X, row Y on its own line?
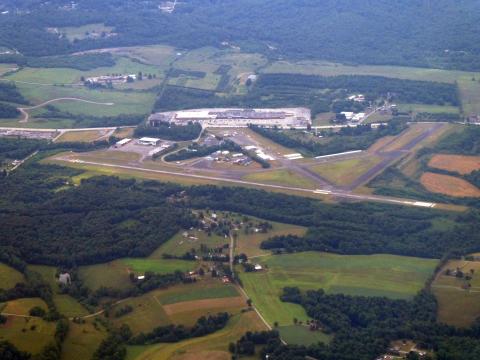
column 449, row 185
column 458, row 163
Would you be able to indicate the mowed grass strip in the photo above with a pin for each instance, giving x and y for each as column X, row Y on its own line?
column 160, row 266
column 210, row 347
column 344, row 172
column 448, row 185
column 458, row 163
column 396, row 277
column 281, row 177
column 9, row 277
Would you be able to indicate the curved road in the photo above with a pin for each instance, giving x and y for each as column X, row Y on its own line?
column 26, row 116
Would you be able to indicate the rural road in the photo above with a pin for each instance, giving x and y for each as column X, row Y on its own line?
column 26, row 116
column 335, row 193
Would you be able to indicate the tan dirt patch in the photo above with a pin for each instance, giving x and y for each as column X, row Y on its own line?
column 188, row 306
column 449, row 185
column 458, row 163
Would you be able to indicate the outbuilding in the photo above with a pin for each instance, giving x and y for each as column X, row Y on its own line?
column 149, row 141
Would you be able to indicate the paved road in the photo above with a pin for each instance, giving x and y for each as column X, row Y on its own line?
column 335, row 193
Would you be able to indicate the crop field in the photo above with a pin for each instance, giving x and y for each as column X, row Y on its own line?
column 180, row 304
column 344, row 172
column 365, row 275
column 158, row 55
column 210, row 347
column 301, row 335
column 179, row 245
column 281, row 177
column 27, row 334
column 457, row 163
column 448, row 185
column 81, row 136
column 458, row 305
column 82, row 340
column 9, row 277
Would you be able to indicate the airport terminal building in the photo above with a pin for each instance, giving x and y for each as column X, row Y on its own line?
column 283, row 118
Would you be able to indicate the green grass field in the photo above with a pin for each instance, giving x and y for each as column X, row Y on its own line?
column 456, row 305
column 210, row 347
column 23, row 306
column 148, row 309
column 79, row 32
column 344, row 172
column 80, row 136
column 301, row 335
column 433, row 109
column 9, row 277
column 68, row 306
column 179, row 245
column 82, row 340
column 28, row 334
column 281, row 177
column 323, row 68
column 115, row 274
column 158, row 265
column 367, row 275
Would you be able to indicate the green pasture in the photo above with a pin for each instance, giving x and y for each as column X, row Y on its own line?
column 396, row 277
column 80, row 32
column 213, row 346
column 323, row 68
column 161, row 266
column 28, row 334
column 9, row 277
column 82, row 340
column 179, row 245
column 68, row 306
column 433, row 109
column 301, row 335
column 124, row 102
column 115, row 274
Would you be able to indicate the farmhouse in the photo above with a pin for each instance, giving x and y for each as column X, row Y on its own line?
column 148, row 141
column 64, row 279
column 283, row 118
column 112, row 79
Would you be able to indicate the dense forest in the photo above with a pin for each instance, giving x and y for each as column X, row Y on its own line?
column 413, row 32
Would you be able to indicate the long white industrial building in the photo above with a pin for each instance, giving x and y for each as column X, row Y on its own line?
column 282, row 118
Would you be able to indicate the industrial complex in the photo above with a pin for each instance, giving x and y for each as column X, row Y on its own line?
column 283, row 118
